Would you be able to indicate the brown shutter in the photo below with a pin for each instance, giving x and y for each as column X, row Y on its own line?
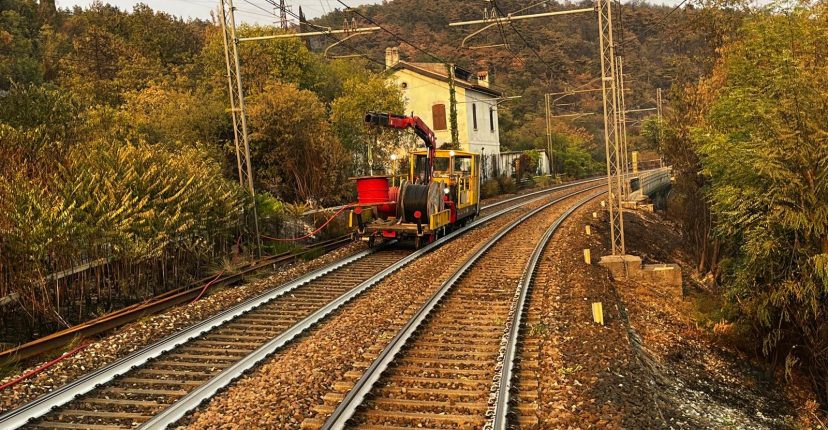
column 438, row 113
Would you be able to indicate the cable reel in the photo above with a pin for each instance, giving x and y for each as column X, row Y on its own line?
column 427, row 199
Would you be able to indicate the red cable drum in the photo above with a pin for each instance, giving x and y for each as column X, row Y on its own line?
column 372, row 189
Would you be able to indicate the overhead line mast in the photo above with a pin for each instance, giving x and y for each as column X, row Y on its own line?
column 611, row 126
column 611, row 85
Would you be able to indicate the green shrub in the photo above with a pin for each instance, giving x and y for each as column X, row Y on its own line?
column 490, row 188
column 544, row 181
column 507, row 184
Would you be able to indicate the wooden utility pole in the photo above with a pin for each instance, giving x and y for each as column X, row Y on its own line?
column 236, row 91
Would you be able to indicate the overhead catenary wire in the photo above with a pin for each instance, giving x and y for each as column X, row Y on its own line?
column 525, row 42
column 395, row 35
column 659, row 23
column 355, row 50
column 325, row 30
column 403, row 40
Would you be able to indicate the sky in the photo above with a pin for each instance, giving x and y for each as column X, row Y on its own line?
column 247, row 11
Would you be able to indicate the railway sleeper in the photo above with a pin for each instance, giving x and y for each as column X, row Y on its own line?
column 415, row 419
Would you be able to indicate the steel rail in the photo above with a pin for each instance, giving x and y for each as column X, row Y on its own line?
column 346, row 409
column 44, row 404
column 204, row 392
column 504, row 377
column 178, row 296
column 564, row 186
column 545, row 191
column 154, row 305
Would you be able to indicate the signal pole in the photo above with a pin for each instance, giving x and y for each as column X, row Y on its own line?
column 236, row 91
column 549, row 152
column 625, row 170
column 491, row 19
column 549, row 104
column 660, row 123
column 611, row 126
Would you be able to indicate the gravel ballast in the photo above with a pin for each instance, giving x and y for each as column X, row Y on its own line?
column 146, row 331
column 290, row 389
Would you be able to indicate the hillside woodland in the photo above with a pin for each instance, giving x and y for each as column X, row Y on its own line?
column 116, row 142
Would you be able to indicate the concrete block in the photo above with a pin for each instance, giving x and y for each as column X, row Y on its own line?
column 666, row 276
column 622, row 266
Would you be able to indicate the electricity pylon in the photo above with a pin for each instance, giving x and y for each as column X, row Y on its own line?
column 611, row 126
column 283, row 21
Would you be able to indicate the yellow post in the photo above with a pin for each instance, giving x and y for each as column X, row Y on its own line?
column 598, row 313
column 588, row 230
column 587, row 256
column 635, row 161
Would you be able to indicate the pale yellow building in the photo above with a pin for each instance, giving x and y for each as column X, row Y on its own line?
column 425, row 88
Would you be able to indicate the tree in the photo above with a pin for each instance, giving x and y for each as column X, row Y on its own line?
column 295, row 153
column 348, row 116
column 455, row 133
column 762, row 146
column 19, row 44
column 160, row 113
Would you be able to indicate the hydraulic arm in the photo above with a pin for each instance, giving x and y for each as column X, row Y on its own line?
column 402, row 122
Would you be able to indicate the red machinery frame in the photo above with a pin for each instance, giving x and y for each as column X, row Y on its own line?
column 414, row 122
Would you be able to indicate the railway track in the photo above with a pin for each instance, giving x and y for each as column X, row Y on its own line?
column 158, row 303
column 164, row 301
column 451, row 365
column 156, row 386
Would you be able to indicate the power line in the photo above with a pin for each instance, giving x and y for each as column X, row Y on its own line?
column 349, row 46
column 403, row 40
column 395, row 35
column 660, row 22
column 323, row 29
column 525, row 42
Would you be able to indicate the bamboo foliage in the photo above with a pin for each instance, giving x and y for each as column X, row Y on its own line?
column 762, row 147
column 140, row 205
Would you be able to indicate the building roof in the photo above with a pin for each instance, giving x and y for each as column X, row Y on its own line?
column 462, row 78
column 523, row 152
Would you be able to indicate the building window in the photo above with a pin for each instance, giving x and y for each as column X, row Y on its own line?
column 491, row 119
column 474, row 115
column 438, row 113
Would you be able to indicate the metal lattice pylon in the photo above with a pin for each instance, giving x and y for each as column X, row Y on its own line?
column 236, row 92
column 283, row 21
column 612, row 129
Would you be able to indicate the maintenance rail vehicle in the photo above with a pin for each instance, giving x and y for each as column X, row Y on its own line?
column 442, row 191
